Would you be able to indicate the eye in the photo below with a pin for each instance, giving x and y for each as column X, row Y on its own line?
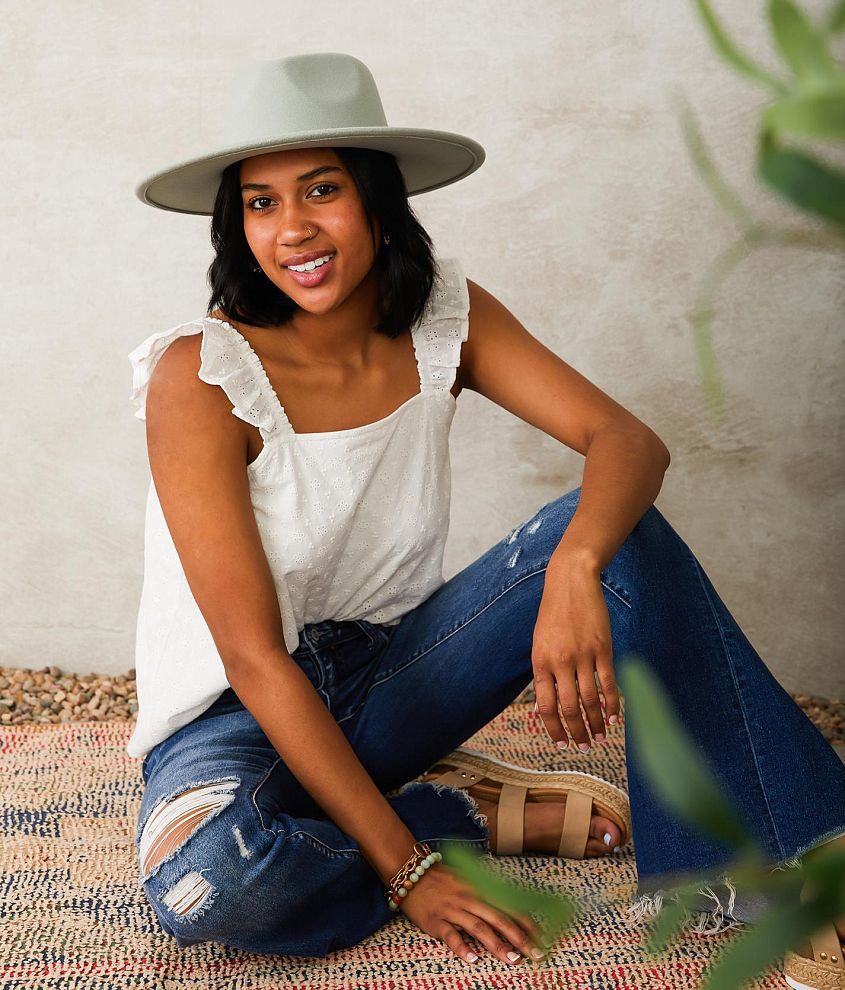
column 256, row 209
column 324, row 185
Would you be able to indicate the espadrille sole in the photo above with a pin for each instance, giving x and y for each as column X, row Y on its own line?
column 802, row 973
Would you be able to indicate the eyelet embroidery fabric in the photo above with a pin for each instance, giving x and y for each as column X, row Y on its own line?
column 353, row 522
column 227, row 360
column 443, row 327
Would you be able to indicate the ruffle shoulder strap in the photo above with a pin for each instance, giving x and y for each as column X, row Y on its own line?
column 443, row 326
column 227, row 360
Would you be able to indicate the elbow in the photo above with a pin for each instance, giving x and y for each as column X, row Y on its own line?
column 243, row 664
column 642, row 434
column 657, row 449
column 658, row 446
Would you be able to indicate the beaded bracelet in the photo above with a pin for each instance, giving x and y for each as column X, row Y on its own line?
column 410, row 873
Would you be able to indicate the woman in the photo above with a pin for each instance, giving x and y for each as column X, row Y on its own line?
column 301, row 660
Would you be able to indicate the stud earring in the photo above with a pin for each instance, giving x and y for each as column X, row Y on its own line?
column 255, row 268
column 386, row 238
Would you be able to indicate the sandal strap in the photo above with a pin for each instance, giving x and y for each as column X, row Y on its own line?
column 510, row 817
column 826, row 947
column 576, row 825
column 510, row 820
column 455, row 778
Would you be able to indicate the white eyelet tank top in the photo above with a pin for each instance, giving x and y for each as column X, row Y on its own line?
column 353, row 522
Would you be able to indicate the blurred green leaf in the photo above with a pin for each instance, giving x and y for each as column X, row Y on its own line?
column 732, row 55
column 836, row 20
column 705, row 165
column 675, row 772
column 803, row 48
column 817, row 116
column 555, row 910
column 825, row 864
column 807, row 183
column 783, row 926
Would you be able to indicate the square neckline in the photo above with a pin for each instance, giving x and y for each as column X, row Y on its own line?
column 279, row 409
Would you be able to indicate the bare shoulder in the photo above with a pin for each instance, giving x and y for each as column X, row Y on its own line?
column 177, row 396
column 176, row 374
column 485, row 313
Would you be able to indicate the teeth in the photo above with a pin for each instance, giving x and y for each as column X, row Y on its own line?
column 309, row 266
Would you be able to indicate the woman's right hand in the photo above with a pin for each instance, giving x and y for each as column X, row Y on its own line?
column 441, row 902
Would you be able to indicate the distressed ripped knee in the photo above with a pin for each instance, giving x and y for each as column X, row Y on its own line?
column 190, row 896
column 170, row 825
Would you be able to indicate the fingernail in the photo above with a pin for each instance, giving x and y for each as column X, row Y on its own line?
column 535, row 707
column 617, row 849
column 613, row 719
column 513, row 956
column 537, row 953
column 584, row 747
column 471, row 957
column 599, row 737
column 562, row 744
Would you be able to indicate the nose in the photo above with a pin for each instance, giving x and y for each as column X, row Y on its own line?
column 289, row 235
column 294, row 230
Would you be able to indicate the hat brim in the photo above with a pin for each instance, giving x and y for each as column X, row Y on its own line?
column 428, row 159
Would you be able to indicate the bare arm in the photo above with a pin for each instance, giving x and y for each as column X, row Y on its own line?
column 198, row 455
column 304, row 733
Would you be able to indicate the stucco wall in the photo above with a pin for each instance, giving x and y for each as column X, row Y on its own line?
column 587, row 220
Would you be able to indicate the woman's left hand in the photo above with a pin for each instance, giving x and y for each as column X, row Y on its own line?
column 571, row 644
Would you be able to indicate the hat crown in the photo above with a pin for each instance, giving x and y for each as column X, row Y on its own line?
column 301, row 94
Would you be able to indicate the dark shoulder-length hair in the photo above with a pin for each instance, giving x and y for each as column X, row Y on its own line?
column 406, row 266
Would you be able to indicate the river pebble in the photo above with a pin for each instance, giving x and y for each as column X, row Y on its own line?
column 51, row 694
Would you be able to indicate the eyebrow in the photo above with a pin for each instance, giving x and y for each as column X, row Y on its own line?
column 300, row 178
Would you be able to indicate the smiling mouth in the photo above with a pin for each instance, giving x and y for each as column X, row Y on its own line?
column 311, row 276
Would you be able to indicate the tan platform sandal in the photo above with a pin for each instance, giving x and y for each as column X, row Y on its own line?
column 585, row 795
column 825, row 970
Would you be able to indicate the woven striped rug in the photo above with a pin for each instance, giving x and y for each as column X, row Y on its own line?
column 73, row 916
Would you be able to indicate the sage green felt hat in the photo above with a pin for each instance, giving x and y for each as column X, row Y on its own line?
column 311, row 100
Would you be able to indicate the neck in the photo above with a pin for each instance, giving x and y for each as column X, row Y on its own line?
column 342, row 338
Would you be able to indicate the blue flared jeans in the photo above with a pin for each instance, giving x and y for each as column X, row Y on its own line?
column 266, row 870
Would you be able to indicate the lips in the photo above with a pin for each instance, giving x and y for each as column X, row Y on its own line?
column 313, row 278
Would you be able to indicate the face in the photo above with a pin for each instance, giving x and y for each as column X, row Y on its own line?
column 305, row 202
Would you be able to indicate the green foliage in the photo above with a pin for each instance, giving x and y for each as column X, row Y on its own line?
column 807, row 103
column 804, row 48
column 784, row 925
column 807, row 183
column 675, row 771
column 801, row 898
column 553, row 911
column 671, row 763
column 731, row 53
